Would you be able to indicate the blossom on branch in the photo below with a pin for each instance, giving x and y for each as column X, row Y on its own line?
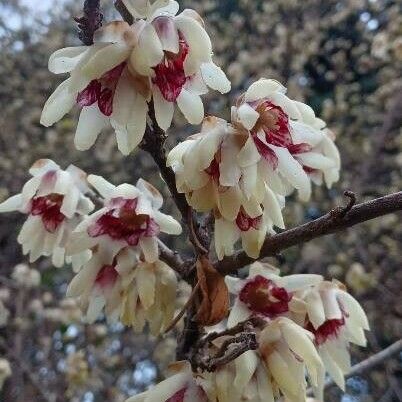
column 265, row 294
column 162, row 57
column 128, row 289
column 290, row 145
column 208, row 174
column 175, row 51
column 55, row 202
column 336, row 319
column 130, row 218
column 288, row 352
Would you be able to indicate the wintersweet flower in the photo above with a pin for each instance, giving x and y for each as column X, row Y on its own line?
column 130, row 218
column 102, row 83
column 127, row 289
column 175, row 51
column 150, row 297
column 251, row 230
column 266, row 294
column 98, row 285
column 207, row 172
column 336, row 319
column 55, row 201
column 244, row 379
column 288, row 352
column 285, row 138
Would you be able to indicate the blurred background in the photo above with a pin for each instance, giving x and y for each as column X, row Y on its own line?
column 342, row 57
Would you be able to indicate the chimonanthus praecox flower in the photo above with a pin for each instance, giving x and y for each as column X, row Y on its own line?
column 130, row 217
column 208, row 174
column 289, row 352
column 162, row 56
column 265, row 294
column 127, row 289
column 285, row 138
column 55, row 201
column 336, row 319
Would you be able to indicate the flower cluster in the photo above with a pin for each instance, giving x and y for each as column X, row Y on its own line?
column 124, row 276
column 55, row 201
column 243, row 170
column 163, row 57
column 305, row 327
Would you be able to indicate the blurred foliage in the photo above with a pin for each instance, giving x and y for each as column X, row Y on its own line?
column 342, row 57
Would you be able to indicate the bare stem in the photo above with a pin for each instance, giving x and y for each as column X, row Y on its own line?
column 338, row 219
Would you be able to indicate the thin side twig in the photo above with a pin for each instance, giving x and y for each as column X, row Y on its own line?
column 338, row 219
column 372, row 361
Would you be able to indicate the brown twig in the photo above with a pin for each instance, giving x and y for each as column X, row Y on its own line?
column 230, row 350
column 172, row 258
column 89, row 22
column 340, row 218
column 121, row 8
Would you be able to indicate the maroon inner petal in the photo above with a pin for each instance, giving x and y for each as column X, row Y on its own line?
column 48, row 207
column 169, row 74
column 262, row 296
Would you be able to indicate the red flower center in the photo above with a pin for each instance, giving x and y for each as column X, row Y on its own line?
column 329, row 329
column 102, row 90
column 178, row 396
column 169, row 74
column 262, row 296
column 106, row 276
column 213, row 170
column 275, row 124
column 123, row 223
column 244, row 222
column 48, row 207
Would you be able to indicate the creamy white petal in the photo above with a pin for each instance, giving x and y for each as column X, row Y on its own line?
column 167, row 33
column 273, row 208
column 191, row 106
column 304, row 133
column 293, row 171
column 105, row 60
column 13, row 203
column 150, row 43
column 246, row 366
column 167, row 223
column 200, row 47
column 315, row 160
column 90, row 124
column 263, row 88
column 59, row 103
column 354, row 309
column 146, row 280
column 315, row 309
column 164, row 110
column 248, row 116
column 215, row 78
column 65, row 60
column 167, row 388
column 229, row 203
column 249, row 154
column 149, row 246
column 102, row 186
